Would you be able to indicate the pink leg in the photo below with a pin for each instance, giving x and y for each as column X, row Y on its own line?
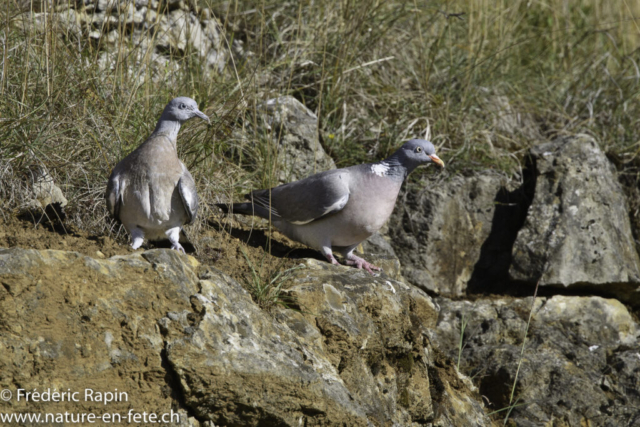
column 361, row 263
column 326, row 251
column 332, row 259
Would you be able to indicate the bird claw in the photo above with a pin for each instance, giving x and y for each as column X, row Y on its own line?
column 355, row 261
column 178, row 247
column 360, row 263
column 332, row 259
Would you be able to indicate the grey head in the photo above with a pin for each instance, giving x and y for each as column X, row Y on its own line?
column 181, row 109
column 416, row 152
column 412, row 154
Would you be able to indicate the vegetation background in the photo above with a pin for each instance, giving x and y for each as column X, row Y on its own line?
column 483, row 79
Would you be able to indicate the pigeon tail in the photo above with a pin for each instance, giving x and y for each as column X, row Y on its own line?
column 246, row 208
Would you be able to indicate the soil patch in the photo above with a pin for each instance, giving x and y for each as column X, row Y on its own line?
column 226, row 244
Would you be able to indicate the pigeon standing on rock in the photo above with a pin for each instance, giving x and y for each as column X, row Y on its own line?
column 151, row 191
column 340, row 208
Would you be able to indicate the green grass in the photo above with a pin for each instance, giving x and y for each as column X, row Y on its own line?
column 484, row 79
column 265, row 283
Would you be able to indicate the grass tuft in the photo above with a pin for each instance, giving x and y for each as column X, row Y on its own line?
column 266, row 284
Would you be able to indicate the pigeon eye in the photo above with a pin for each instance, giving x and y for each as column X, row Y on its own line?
column 182, row 106
column 418, row 149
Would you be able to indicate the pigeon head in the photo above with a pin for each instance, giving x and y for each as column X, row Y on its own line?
column 415, row 152
column 181, row 109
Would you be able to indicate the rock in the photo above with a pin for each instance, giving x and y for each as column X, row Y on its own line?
column 180, row 338
column 294, row 133
column 106, row 5
column 237, row 366
column 580, row 365
column 438, row 232
column 373, row 332
column 378, row 244
column 45, row 191
column 70, row 322
column 577, row 230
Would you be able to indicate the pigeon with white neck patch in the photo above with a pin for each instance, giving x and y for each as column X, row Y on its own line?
column 338, row 209
column 151, row 191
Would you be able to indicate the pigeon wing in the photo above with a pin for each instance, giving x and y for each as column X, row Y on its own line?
column 309, row 199
column 114, row 195
column 188, row 194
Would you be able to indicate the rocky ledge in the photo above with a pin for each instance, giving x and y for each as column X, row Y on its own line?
column 175, row 335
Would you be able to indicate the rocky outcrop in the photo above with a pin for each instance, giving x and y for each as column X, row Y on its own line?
column 177, row 336
column 144, row 36
column 580, row 366
column 237, row 366
column 293, row 130
column 438, row 231
column 70, row 322
column 566, row 225
column 577, row 230
column 374, row 332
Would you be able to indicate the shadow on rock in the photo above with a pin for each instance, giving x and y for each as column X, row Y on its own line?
column 491, row 272
column 259, row 239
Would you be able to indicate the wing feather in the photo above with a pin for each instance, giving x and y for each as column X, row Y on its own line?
column 306, row 200
column 188, row 194
column 113, row 196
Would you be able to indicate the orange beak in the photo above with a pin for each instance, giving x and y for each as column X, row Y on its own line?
column 435, row 159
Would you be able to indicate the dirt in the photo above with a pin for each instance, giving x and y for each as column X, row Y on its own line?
column 225, row 244
column 23, row 233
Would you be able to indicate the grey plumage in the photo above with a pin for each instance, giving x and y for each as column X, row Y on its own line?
column 340, row 208
column 151, row 191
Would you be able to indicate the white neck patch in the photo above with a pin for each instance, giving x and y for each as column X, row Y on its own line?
column 380, row 169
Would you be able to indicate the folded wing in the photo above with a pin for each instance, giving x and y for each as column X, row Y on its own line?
column 188, row 194
column 114, row 196
column 306, row 200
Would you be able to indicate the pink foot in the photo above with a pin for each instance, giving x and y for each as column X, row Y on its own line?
column 359, row 263
column 332, row 259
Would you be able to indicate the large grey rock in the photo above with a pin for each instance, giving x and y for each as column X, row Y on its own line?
column 581, row 362
column 438, row 231
column 577, row 230
column 294, row 132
